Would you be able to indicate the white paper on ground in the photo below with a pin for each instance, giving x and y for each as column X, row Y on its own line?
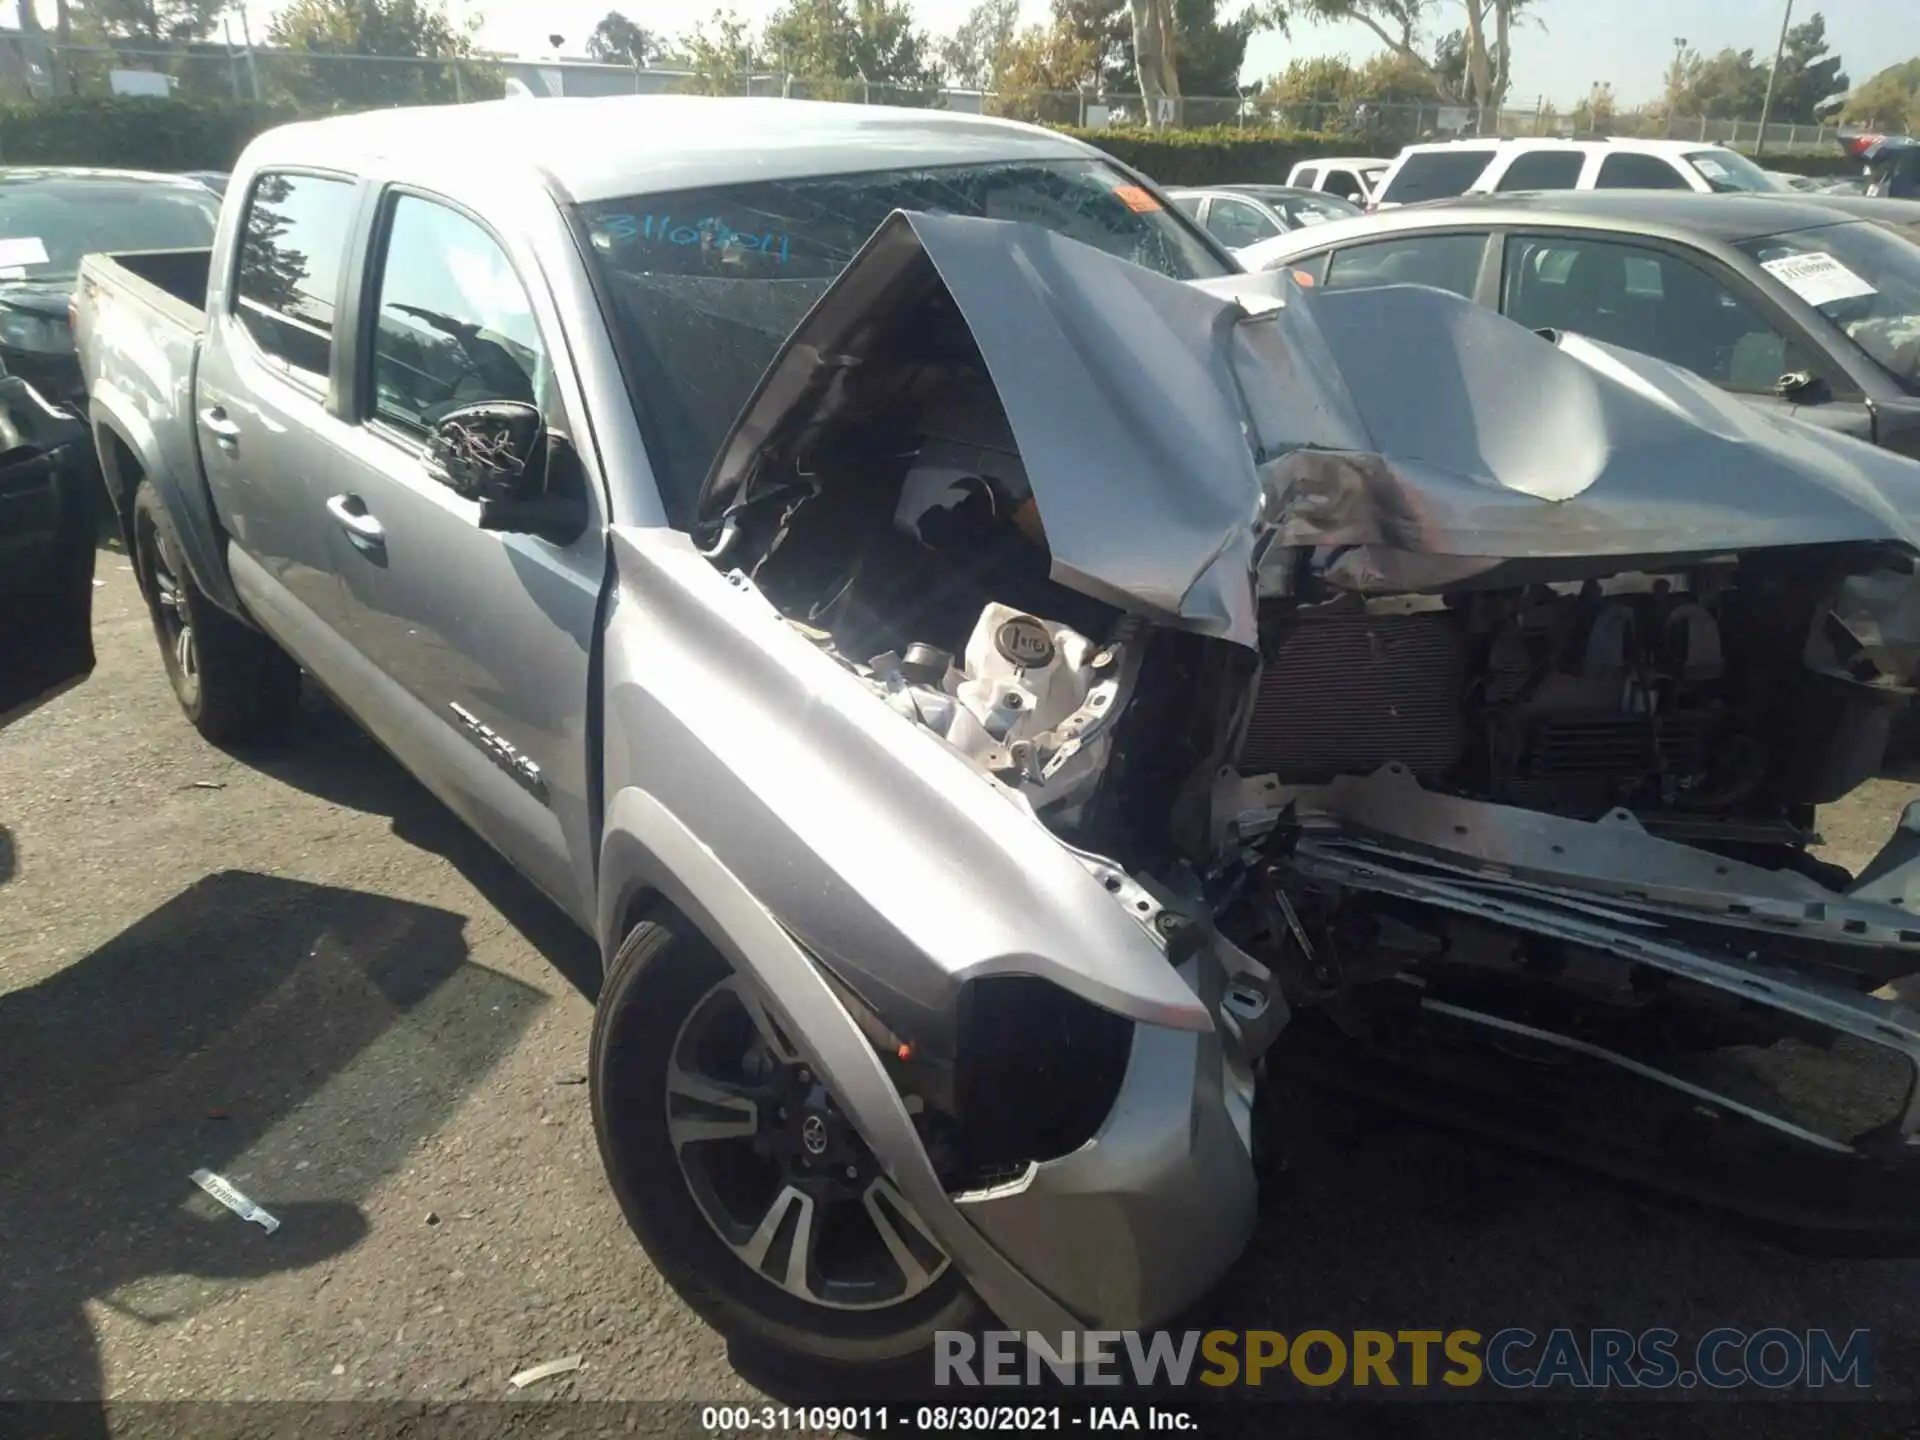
column 222, row 1190
column 1817, row 279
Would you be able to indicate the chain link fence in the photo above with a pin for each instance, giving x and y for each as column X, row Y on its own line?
column 33, row 67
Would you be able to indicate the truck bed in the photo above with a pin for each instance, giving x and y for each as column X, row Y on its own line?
column 172, row 283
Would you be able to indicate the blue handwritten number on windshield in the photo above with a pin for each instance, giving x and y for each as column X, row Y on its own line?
column 707, row 234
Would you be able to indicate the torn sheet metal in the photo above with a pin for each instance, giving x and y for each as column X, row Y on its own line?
column 1403, row 437
column 1609, row 869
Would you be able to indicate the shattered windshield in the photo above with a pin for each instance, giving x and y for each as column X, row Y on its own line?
column 706, row 284
column 1862, row 277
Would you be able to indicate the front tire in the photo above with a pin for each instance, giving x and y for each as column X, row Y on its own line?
column 233, row 683
column 744, row 1183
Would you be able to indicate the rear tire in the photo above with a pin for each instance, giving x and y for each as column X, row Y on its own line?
column 232, row 682
column 665, row 979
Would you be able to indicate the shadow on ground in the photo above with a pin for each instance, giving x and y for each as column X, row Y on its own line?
column 299, row 1040
column 331, row 757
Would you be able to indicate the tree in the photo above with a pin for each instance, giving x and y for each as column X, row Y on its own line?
column 1398, row 24
column 153, row 23
column 975, row 54
column 1041, row 68
column 1889, row 100
column 721, row 52
column 1211, row 50
column 1155, row 58
column 1808, row 74
column 1727, row 86
column 1595, row 114
column 617, row 40
column 867, row 40
column 1379, row 101
column 333, row 31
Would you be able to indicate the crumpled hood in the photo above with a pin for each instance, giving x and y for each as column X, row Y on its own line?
column 1181, row 438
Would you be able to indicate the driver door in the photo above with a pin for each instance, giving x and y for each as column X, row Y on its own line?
column 482, row 638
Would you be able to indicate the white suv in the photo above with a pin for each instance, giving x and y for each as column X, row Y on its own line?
column 1455, row 167
column 1351, row 177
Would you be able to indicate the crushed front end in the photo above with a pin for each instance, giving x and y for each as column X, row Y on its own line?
column 1447, row 700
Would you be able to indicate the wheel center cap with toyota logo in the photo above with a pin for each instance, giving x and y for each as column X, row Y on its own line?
column 813, row 1135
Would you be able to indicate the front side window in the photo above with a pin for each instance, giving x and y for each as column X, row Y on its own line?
column 1543, row 170
column 454, row 323
column 292, row 247
column 1445, row 262
column 1648, row 300
column 1863, row 278
column 705, row 285
column 1236, row 224
column 1437, row 174
column 1628, row 171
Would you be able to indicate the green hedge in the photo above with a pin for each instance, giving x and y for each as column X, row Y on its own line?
column 1217, row 156
column 133, row 132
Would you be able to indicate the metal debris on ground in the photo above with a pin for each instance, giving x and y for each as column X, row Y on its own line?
column 546, row 1370
column 222, row 1190
column 209, row 784
column 569, row 1079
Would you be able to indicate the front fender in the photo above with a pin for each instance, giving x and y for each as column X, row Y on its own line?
column 649, row 847
column 882, row 850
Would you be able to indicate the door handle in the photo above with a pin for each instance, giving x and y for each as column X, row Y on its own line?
column 225, row 433
column 351, row 512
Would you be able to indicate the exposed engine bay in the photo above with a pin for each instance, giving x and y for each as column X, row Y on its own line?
column 1529, row 847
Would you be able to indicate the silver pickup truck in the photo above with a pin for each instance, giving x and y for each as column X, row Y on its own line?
column 988, row 674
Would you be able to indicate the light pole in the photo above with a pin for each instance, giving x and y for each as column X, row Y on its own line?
column 1766, row 106
column 1676, row 78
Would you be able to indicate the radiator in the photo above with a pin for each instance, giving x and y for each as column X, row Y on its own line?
column 1344, row 695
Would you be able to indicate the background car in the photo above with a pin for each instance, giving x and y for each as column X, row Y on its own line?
column 49, row 218
column 1351, row 177
column 1448, row 168
column 1793, row 304
column 1242, row 215
column 1787, row 180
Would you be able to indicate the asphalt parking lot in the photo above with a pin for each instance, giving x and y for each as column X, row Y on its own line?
column 295, row 969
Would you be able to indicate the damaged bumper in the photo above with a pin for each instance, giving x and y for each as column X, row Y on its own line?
column 1174, row 1157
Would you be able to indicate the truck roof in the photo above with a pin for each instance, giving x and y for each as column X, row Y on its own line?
column 602, row 147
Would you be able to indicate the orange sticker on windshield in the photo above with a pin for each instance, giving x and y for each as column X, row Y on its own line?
column 1303, row 278
column 1135, row 199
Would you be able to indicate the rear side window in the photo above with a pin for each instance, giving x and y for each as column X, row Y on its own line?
column 1437, row 174
column 1445, row 262
column 1345, row 184
column 292, row 246
column 1639, row 172
column 1543, row 170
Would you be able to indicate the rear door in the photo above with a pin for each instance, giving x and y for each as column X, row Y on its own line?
column 485, row 638
column 264, row 389
column 47, row 530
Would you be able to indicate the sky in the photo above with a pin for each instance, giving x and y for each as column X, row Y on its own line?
column 1580, row 42
column 1574, row 45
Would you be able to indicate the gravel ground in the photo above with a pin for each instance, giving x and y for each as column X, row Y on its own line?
column 298, row 971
